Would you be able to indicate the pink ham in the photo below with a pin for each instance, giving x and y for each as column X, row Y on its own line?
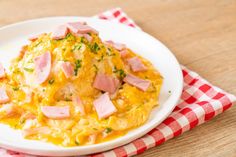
column 67, row 69
column 137, row 82
column 56, row 112
column 60, row 32
column 106, row 83
column 124, row 53
column 104, row 106
column 76, row 100
column 3, row 96
column 78, row 27
column 88, row 37
column 42, row 67
column 2, row 71
column 33, row 131
column 117, row 46
column 136, row 64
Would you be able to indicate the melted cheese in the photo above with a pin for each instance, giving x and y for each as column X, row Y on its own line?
column 133, row 105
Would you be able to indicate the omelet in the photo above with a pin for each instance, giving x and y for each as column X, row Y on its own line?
column 70, row 88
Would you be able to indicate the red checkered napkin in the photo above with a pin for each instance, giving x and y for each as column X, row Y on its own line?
column 200, row 102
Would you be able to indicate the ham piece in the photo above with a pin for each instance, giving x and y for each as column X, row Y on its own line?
column 137, row 82
column 106, row 83
column 79, row 27
column 67, row 69
column 42, row 67
column 104, row 106
column 60, row 32
column 136, row 64
column 78, row 103
column 56, row 112
column 117, row 46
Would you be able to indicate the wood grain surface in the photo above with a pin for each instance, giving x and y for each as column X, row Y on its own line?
column 202, row 35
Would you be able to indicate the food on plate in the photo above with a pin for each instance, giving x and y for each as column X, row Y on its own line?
column 70, row 88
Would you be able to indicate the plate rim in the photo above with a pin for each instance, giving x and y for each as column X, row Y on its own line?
column 119, row 140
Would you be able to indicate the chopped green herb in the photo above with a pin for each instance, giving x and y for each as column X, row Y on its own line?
column 94, row 48
column 77, row 66
column 108, row 130
column 77, row 143
column 38, row 44
column 15, row 88
column 82, row 39
column 51, row 81
column 22, row 121
column 120, row 72
column 169, row 91
column 77, row 47
column 29, row 69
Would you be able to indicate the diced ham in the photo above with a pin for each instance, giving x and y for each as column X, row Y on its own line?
column 104, row 106
column 42, row 67
column 56, row 112
column 106, row 83
column 33, row 131
column 137, row 82
column 2, row 71
column 117, row 46
column 3, row 96
column 136, row 64
column 78, row 104
column 60, row 32
column 124, row 53
column 67, row 69
column 88, row 37
column 78, row 27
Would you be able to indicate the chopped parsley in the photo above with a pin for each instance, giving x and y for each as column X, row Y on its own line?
column 51, row 81
column 15, row 88
column 120, row 72
column 38, row 44
column 77, row 47
column 77, row 66
column 108, row 130
column 82, row 39
column 77, row 143
column 29, row 69
column 94, row 48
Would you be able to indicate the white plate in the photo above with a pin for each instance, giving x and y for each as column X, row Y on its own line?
column 12, row 37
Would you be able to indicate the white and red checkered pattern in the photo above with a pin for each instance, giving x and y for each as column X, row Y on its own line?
column 200, row 102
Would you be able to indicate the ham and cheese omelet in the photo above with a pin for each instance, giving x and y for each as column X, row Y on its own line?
column 69, row 88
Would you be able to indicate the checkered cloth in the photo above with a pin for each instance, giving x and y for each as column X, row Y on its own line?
column 200, row 102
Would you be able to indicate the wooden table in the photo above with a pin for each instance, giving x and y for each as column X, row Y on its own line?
column 202, row 35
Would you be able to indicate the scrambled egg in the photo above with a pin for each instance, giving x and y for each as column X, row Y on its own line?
column 88, row 58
